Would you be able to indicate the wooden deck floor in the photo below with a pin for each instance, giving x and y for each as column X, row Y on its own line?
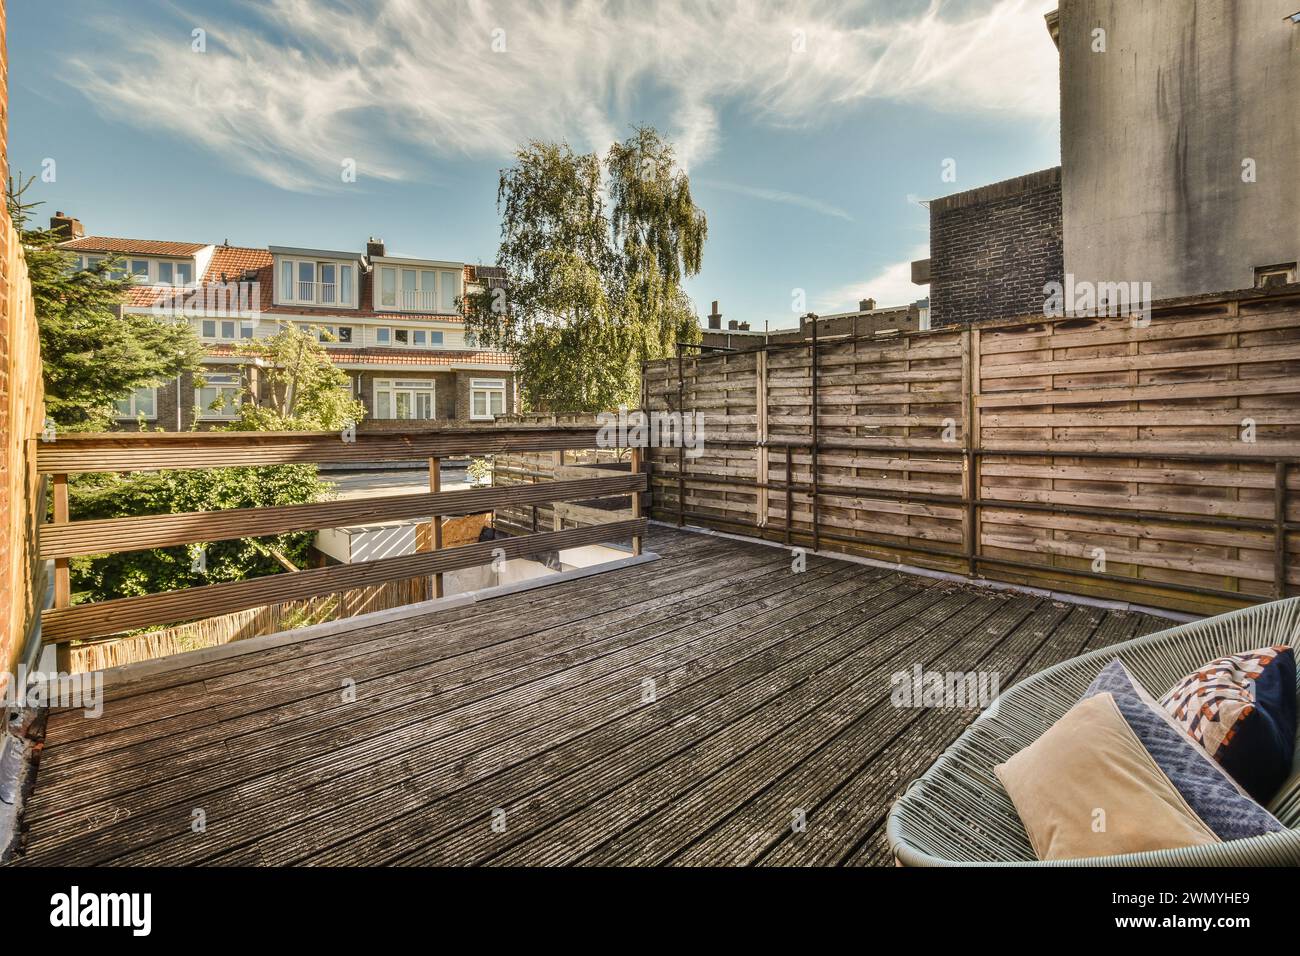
column 771, row 696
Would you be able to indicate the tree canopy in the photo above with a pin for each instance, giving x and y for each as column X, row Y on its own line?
column 594, row 257
column 93, row 353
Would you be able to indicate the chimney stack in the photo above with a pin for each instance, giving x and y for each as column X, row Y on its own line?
column 66, row 226
column 731, row 324
column 744, row 326
column 715, row 317
column 374, row 247
column 866, row 305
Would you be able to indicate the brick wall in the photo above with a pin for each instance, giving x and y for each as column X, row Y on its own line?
column 21, row 414
column 993, row 249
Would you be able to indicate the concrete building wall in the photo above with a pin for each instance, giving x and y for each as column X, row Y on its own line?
column 1154, row 132
column 992, row 249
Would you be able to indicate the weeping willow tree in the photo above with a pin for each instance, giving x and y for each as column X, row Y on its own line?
column 593, row 270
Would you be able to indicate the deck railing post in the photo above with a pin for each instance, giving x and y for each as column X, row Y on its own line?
column 636, row 500
column 681, row 447
column 789, row 490
column 62, row 571
column 1279, row 529
column 435, row 526
column 816, row 484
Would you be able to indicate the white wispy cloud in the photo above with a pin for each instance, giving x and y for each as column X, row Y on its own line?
column 777, row 196
column 892, row 285
column 305, row 85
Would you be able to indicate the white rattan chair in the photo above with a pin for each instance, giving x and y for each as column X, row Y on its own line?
column 957, row 813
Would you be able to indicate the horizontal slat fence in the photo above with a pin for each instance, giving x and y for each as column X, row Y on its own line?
column 81, row 453
column 1158, row 465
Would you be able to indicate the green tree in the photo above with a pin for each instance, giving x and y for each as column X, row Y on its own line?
column 300, row 389
column 593, row 276
column 93, row 354
column 100, row 577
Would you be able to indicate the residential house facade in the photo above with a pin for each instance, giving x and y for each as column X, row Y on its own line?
column 392, row 323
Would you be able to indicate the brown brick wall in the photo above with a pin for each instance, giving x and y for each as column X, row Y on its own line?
column 21, row 414
column 993, row 249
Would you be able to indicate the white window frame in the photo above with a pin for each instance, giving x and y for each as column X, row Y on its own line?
column 487, row 387
column 427, row 298
column 241, row 330
column 222, row 381
column 133, row 404
column 290, row 293
column 396, row 386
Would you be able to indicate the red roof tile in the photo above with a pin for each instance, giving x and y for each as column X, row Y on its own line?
column 142, row 247
column 387, row 358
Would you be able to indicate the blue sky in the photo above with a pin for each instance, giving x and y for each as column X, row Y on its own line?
column 810, row 128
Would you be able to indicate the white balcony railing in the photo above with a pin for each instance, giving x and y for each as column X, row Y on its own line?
column 306, row 291
column 417, row 301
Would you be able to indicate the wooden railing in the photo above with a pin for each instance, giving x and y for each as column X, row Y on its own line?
column 63, row 539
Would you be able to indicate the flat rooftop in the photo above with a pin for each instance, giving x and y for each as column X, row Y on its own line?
column 685, row 710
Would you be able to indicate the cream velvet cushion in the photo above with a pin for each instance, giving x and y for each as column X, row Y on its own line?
column 1087, row 787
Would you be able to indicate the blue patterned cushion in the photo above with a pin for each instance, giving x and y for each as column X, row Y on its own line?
column 1241, row 709
column 1207, row 788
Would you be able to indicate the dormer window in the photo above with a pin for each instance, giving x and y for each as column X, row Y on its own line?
column 428, row 291
column 175, row 273
column 312, row 282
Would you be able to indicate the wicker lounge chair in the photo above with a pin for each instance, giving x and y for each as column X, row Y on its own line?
column 957, row 814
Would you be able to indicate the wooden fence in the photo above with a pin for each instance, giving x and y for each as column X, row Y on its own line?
column 1156, row 464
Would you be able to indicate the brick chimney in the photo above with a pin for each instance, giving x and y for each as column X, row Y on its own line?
column 866, row 305
column 715, row 317
column 66, row 226
column 374, row 247
column 732, row 324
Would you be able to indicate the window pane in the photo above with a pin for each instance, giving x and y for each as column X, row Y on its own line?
column 144, row 402
column 345, row 285
column 184, row 273
column 246, row 331
column 209, row 329
column 403, row 404
column 402, row 336
column 428, row 280
column 388, row 287
column 165, row 273
column 286, row 278
column 435, row 338
column 448, row 292
column 498, row 402
column 122, row 408
column 140, row 267
column 383, row 405
column 345, row 333
column 425, row 400
column 418, row 336
column 382, row 336
column 327, row 287
column 227, row 330
column 307, row 281
column 480, row 403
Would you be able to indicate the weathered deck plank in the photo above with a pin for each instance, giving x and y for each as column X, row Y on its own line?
column 772, row 694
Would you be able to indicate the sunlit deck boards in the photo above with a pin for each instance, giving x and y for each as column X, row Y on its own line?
column 771, row 695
